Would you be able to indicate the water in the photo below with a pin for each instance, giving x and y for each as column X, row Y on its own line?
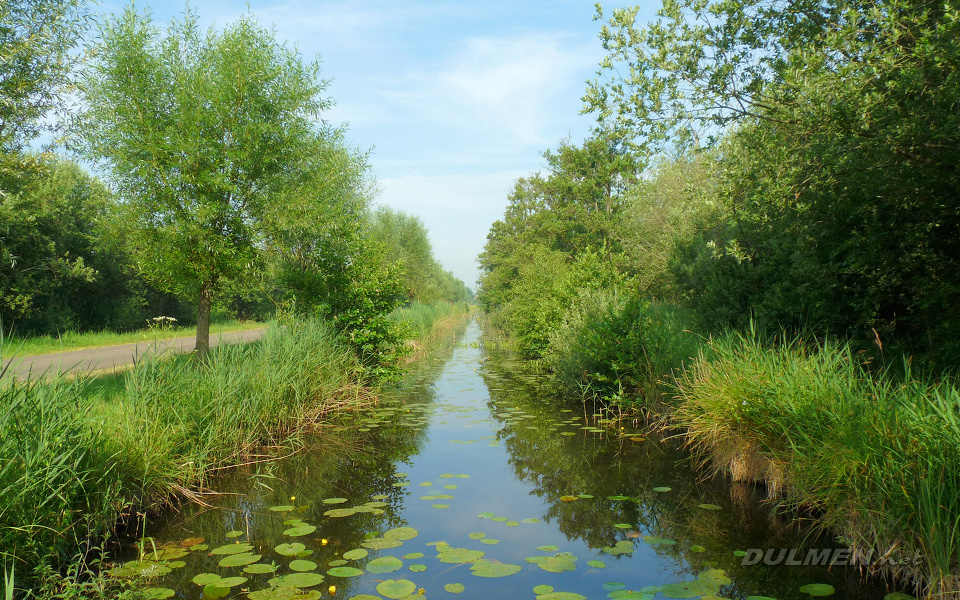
column 474, row 455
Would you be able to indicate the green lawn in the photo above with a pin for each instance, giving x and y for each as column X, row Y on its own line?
column 72, row 340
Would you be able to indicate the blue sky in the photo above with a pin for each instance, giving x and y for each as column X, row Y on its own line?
column 456, row 99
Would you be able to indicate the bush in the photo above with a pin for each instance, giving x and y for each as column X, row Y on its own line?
column 620, row 348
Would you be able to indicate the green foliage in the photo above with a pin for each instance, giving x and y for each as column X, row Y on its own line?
column 199, row 133
column 836, row 125
column 37, row 37
column 408, row 243
column 621, row 348
column 419, row 319
column 61, row 266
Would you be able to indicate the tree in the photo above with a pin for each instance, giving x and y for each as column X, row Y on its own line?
column 837, row 129
column 200, row 133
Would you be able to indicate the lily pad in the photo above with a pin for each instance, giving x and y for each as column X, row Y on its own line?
column 297, row 580
column 338, row 513
column 492, row 568
column 489, row 541
column 385, row 564
column 818, row 589
column 596, row 564
column 569, row 498
column 530, row 520
column 302, row 565
column 548, row 548
column 282, row 508
column 337, row 563
column 899, row 596
column 233, row 534
column 231, row 582
column 401, row 533
column 239, row 560
column 396, row 588
column 543, row 589
column 285, row 593
column 206, row 578
column 561, row 596
column 662, row 489
column 476, row 535
column 417, row 568
column 300, row 530
column 381, row 543
column 355, row 554
column 447, row 554
column 334, row 500
column 454, row 588
column 696, row 548
column 413, row 556
column 260, row 569
column 289, row 549
column 623, row 525
column 215, row 591
column 158, row 593
column 440, row 506
column 345, row 572
column 710, row 507
column 232, row 549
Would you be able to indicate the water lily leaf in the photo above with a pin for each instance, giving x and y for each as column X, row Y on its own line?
column 630, row 595
column 231, row 582
column 696, row 548
column 895, row 596
column 489, row 541
column 596, row 564
column 381, row 543
column 401, row 533
column 662, row 489
column 548, row 548
column 376, row 504
column 233, row 534
column 385, row 564
column 688, row 589
column 282, row 508
column 260, row 569
column 345, row 572
column 215, row 591
column 739, row 553
column 158, row 593
column 448, row 554
column 289, row 549
column 334, row 500
column 426, row 483
column 206, row 578
column 338, row 513
column 530, row 520
column 413, row 555
column 300, row 530
column 454, row 588
column 440, row 506
column 175, row 564
column 239, row 560
column 285, row 593
column 618, row 497
column 476, row 535
column 297, row 580
column 769, row 598
column 355, row 554
column 612, row 586
column 561, row 596
column 492, row 568
column 512, row 524
column 232, row 549
column 555, row 564
column 417, row 568
column 569, row 498
column 396, row 588
column 336, row 563
column 543, row 589
column 623, row 525
column 199, row 547
column 302, row 565
column 499, row 519
column 817, row 589
column 718, row 576
column 710, row 507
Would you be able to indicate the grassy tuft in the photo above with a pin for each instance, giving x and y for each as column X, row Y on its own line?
column 876, row 457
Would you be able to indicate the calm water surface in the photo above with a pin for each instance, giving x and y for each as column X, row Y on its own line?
column 471, row 457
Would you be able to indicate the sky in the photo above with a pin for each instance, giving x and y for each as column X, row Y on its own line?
column 454, row 99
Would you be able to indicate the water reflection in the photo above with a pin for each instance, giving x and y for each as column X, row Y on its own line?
column 476, row 457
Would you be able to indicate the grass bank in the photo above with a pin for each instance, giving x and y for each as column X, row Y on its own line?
column 426, row 322
column 71, row 340
column 875, row 456
column 76, row 456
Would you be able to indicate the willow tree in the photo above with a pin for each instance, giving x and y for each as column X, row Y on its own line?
column 200, row 133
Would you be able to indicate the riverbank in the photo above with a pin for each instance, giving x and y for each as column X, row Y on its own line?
column 873, row 456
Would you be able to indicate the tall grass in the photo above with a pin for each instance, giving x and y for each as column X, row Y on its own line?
column 75, row 457
column 877, row 458
column 422, row 319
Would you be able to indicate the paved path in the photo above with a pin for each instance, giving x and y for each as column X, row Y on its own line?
column 112, row 357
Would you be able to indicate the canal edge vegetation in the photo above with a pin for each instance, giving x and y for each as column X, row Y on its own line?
column 756, row 248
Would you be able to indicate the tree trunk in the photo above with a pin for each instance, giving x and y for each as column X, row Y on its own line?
column 203, row 321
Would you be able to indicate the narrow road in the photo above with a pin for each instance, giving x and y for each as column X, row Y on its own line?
column 112, row 357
